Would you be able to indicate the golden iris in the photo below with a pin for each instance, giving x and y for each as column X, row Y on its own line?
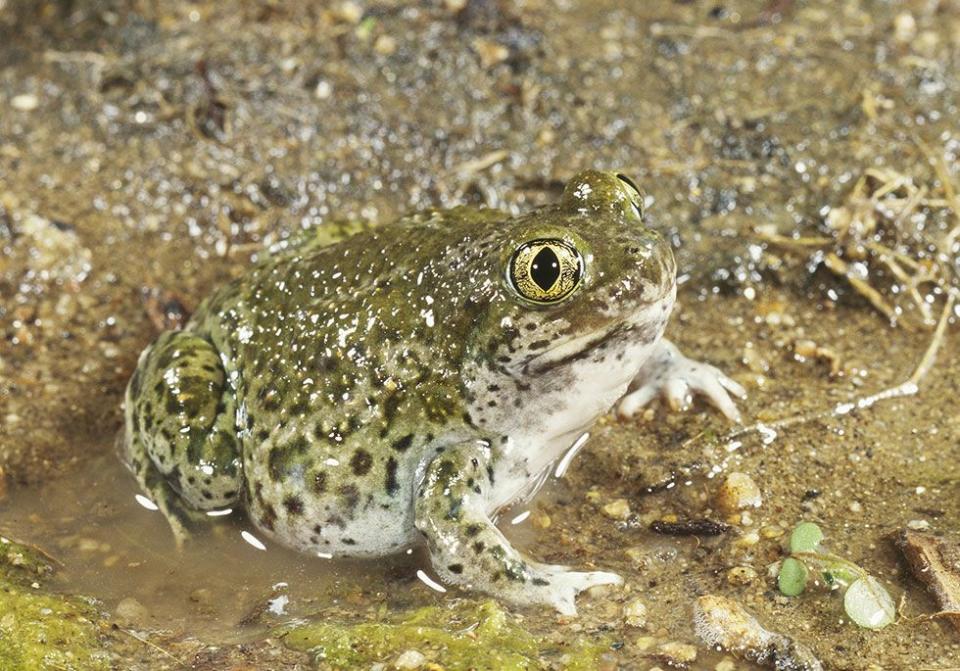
column 546, row 270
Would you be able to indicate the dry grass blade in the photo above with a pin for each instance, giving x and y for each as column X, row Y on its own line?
column 839, row 267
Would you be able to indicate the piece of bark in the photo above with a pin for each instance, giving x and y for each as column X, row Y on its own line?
column 936, row 563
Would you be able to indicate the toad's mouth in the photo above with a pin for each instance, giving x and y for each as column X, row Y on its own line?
column 576, row 349
column 644, row 324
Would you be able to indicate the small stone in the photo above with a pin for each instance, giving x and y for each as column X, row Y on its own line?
column 385, row 45
column 725, row 665
column 617, row 510
column 904, row 27
column 348, row 12
column 25, row 102
column 645, row 643
column 918, row 525
column 491, row 53
column 635, row 613
column 677, row 653
column 410, row 659
column 88, row 545
column 855, row 507
column 741, row 575
column 771, row 531
column 131, row 611
column 540, row 520
column 737, row 492
column 323, row 90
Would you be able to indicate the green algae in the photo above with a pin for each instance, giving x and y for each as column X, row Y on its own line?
column 40, row 631
column 478, row 636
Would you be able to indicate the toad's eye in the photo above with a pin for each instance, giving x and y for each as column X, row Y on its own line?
column 634, row 194
column 546, row 270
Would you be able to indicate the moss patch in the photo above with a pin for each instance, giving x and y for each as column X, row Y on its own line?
column 471, row 635
column 41, row 631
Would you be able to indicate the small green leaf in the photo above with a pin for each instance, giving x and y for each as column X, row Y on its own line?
column 868, row 604
column 793, row 577
column 805, row 538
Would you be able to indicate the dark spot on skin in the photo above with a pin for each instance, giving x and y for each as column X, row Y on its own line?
column 391, row 479
column 540, row 582
column 350, row 496
column 402, row 444
column 317, row 529
column 299, row 409
column 478, row 547
column 207, row 494
column 172, row 405
column 472, row 530
column 456, row 569
column 361, row 462
column 276, row 461
column 294, row 505
column 320, row 482
column 268, row 518
column 490, row 473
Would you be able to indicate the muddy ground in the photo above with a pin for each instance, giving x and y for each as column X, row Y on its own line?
column 149, row 151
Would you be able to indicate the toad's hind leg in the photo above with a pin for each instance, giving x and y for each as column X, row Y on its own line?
column 181, row 435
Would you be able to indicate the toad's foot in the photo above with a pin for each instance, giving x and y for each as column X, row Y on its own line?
column 467, row 549
column 564, row 585
column 670, row 374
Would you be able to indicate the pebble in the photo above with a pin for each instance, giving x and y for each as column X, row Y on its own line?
column 25, row 102
column 491, row 53
column 737, row 492
column 645, row 642
column 617, row 510
column 540, row 519
column 385, row 45
column 904, row 27
column 741, row 575
column 918, row 525
column 771, row 531
column 677, row 653
column 410, row 659
column 131, row 611
column 635, row 613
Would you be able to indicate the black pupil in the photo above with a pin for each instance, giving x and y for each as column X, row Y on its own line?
column 545, row 268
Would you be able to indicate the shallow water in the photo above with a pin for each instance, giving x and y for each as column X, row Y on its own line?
column 117, row 179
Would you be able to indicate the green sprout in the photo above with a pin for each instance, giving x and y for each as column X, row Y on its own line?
column 866, row 601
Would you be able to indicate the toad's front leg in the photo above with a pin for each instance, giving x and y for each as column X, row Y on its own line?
column 467, row 549
column 670, row 374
